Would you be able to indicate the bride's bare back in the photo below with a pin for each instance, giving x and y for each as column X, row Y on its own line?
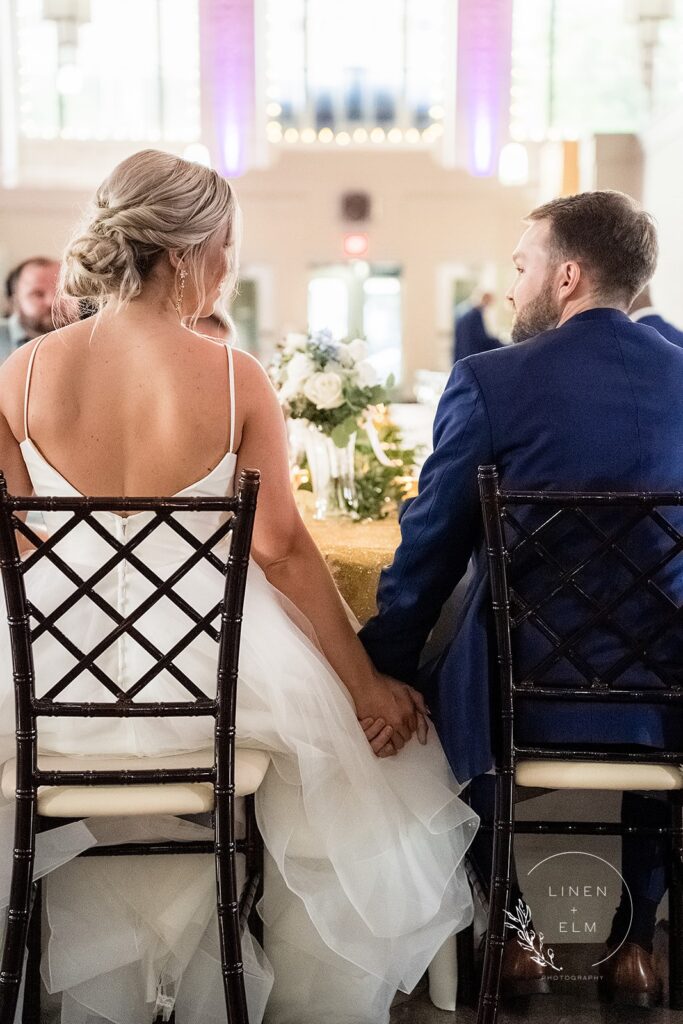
column 121, row 406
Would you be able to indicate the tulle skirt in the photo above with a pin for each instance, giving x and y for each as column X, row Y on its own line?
column 364, row 873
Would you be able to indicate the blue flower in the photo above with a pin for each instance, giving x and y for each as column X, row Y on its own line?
column 325, row 345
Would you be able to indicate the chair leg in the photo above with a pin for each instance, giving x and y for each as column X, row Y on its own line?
column 254, row 867
column 19, row 905
column 228, row 908
column 503, row 827
column 467, row 989
column 676, row 904
column 31, row 1008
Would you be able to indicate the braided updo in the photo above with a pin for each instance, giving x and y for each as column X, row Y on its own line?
column 152, row 203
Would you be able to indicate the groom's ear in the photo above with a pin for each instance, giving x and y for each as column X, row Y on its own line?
column 569, row 278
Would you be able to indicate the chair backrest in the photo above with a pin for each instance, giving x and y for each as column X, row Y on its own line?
column 587, row 597
column 28, row 622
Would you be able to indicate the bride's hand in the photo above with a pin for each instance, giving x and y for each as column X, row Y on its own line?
column 390, row 713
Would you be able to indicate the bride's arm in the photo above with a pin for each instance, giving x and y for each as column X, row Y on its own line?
column 12, row 465
column 293, row 564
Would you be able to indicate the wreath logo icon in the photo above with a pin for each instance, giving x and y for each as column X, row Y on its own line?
column 526, row 936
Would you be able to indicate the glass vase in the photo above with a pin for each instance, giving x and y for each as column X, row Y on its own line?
column 333, row 476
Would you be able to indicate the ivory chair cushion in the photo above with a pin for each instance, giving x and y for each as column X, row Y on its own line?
column 593, row 775
column 115, row 801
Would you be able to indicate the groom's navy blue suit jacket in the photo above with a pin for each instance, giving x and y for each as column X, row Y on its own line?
column 596, row 404
column 666, row 329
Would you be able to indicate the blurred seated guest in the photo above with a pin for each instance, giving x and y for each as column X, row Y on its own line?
column 585, row 400
column 471, row 335
column 644, row 312
column 30, row 290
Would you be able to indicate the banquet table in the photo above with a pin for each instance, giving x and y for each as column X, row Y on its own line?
column 355, row 552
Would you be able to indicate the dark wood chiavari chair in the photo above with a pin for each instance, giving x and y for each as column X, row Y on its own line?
column 564, row 542
column 45, row 795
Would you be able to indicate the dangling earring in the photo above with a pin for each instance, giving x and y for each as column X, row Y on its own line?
column 181, row 291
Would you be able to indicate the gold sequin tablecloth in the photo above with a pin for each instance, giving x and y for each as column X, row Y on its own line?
column 356, row 553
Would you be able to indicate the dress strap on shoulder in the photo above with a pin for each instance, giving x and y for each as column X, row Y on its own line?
column 231, row 386
column 29, row 371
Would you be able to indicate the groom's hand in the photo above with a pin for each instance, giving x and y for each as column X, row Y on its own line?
column 423, row 714
column 381, row 737
column 384, row 698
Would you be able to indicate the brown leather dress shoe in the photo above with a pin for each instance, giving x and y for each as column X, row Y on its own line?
column 521, row 975
column 629, row 978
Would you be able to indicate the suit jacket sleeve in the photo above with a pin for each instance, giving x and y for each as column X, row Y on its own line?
column 439, row 531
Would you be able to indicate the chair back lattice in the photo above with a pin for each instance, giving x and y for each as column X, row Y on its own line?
column 221, row 623
column 587, row 597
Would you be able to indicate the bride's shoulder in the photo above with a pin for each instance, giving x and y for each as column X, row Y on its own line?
column 248, row 370
column 254, row 390
column 15, row 368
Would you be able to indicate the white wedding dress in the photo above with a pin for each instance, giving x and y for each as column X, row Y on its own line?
column 364, row 874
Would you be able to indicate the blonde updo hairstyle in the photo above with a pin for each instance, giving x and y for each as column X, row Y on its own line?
column 152, row 204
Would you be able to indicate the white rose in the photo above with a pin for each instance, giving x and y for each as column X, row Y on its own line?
column 288, row 391
column 345, row 357
column 324, row 390
column 358, row 350
column 299, row 368
column 366, row 374
column 295, row 343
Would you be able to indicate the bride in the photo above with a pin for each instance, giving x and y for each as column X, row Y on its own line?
column 364, row 831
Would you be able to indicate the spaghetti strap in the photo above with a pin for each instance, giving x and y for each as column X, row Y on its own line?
column 231, row 385
column 28, row 383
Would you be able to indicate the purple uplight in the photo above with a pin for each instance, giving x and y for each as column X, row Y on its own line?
column 483, row 89
column 228, row 80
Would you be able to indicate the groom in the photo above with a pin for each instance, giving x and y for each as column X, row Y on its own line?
column 586, row 400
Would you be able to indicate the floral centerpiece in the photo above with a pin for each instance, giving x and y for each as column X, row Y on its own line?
column 328, row 385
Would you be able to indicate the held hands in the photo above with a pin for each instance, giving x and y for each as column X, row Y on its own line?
column 389, row 713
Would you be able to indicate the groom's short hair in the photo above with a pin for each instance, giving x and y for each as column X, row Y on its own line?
column 610, row 234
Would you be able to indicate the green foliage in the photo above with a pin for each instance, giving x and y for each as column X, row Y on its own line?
column 377, row 488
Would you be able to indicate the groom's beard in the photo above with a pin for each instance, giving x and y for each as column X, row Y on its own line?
column 540, row 314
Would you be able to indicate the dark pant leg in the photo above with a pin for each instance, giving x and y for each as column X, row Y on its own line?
column 643, row 866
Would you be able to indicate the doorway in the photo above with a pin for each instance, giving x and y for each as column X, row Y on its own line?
column 360, row 300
